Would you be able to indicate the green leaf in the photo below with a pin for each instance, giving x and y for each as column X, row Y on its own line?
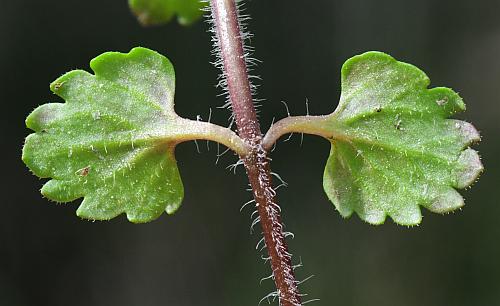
column 155, row 12
column 113, row 140
column 393, row 148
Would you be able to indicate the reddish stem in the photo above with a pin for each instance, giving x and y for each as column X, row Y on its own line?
column 225, row 17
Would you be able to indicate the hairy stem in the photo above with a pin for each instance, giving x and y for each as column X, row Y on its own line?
column 227, row 29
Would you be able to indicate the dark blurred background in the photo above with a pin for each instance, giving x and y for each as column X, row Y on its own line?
column 204, row 254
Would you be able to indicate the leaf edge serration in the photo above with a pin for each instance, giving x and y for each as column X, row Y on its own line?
column 42, row 114
column 467, row 157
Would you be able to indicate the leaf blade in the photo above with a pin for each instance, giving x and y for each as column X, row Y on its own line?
column 395, row 149
column 157, row 12
column 112, row 142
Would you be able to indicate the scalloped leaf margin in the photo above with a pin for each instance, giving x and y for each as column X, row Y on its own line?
column 113, row 140
column 394, row 148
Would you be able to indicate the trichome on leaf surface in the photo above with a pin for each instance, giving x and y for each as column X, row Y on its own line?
column 393, row 146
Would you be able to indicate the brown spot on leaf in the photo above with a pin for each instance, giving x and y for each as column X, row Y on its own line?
column 84, row 171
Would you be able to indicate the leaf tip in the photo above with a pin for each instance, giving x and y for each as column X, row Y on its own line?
column 39, row 119
column 410, row 215
column 447, row 101
column 470, row 168
column 373, row 218
column 68, row 82
column 446, row 202
column 171, row 208
column 363, row 59
column 140, row 217
column 90, row 209
column 60, row 191
column 467, row 132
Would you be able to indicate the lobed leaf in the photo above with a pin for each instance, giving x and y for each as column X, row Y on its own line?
column 113, row 140
column 155, row 12
column 393, row 148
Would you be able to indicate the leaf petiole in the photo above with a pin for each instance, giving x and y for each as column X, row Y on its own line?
column 200, row 130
